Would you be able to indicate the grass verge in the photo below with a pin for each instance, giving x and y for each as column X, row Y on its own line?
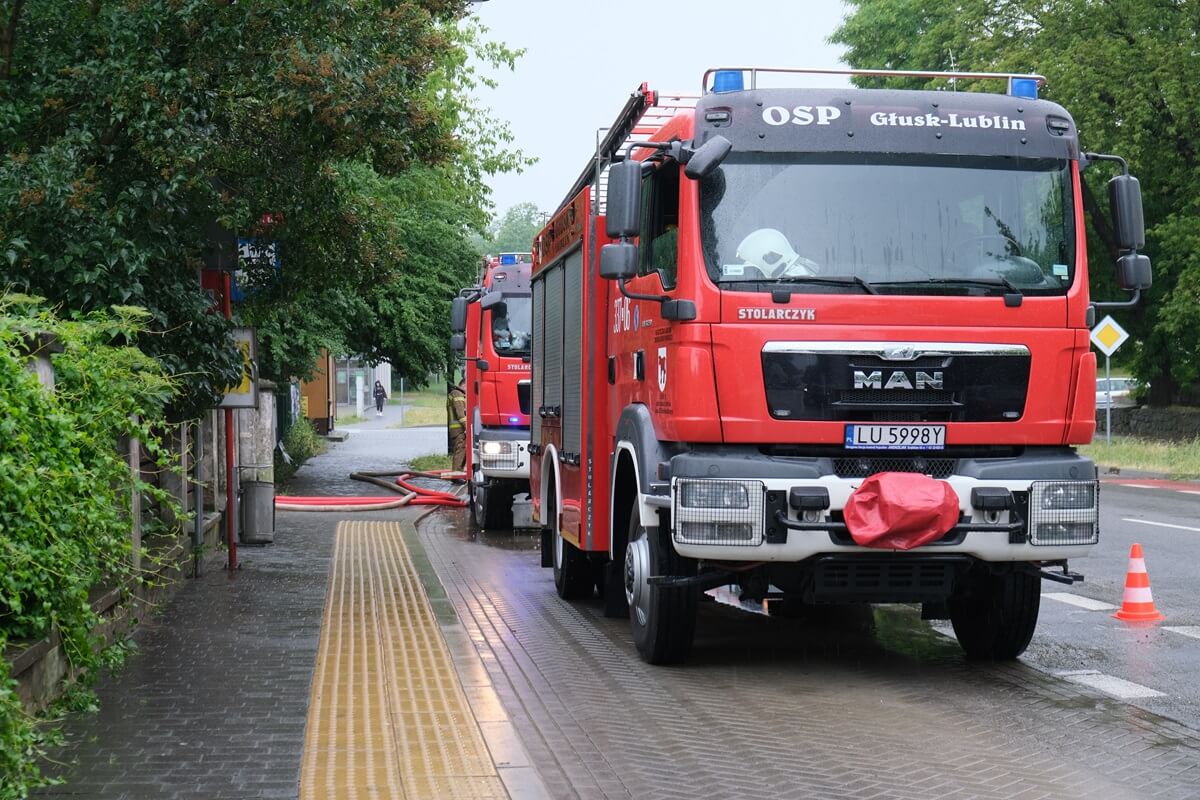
column 421, row 408
column 431, row 461
column 1176, row 459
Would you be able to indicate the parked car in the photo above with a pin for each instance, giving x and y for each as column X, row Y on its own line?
column 1121, row 389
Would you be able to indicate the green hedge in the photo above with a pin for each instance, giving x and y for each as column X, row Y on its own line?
column 65, row 492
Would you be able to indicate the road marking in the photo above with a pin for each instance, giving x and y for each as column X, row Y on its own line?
column 1189, row 491
column 1078, row 600
column 1187, row 630
column 1117, row 687
column 1160, row 524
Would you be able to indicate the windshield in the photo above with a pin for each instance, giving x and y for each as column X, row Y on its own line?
column 510, row 330
column 911, row 224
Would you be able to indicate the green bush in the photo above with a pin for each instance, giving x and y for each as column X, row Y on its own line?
column 65, row 490
column 302, row 443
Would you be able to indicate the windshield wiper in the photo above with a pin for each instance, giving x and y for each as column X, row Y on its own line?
column 826, row 280
column 999, row 281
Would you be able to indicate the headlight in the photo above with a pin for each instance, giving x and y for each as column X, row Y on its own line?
column 713, row 494
column 1067, row 495
column 1064, row 512
column 718, row 512
column 501, row 454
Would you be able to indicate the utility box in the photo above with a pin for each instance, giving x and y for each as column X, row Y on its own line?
column 256, row 445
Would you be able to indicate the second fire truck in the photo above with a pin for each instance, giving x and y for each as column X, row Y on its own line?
column 827, row 345
column 490, row 325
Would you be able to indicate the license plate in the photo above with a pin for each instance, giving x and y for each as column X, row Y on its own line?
column 895, row 437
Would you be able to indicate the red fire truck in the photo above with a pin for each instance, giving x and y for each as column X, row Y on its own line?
column 770, row 324
column 491, row 327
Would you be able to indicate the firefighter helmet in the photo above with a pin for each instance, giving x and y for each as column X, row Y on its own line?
column 770, row 251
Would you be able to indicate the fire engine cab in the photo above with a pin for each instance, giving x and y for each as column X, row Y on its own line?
column 490, row 323
column 825, row 345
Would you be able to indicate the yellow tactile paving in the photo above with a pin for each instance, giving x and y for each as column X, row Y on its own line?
column 387, row 718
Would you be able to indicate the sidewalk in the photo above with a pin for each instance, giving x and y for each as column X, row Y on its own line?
column 215, row 702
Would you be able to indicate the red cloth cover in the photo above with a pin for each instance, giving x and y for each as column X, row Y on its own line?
column 900, row 510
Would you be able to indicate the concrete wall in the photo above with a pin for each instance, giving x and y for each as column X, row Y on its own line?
column 1175, row 423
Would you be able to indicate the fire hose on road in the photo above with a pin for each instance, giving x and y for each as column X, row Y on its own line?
column 412, row 494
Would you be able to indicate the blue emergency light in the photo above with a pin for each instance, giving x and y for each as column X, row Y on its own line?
column 508, row 258
column 514, row 420
column 1023, row 87
column 728, row 80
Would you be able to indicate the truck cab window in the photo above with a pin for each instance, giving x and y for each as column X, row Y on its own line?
column 660, row 222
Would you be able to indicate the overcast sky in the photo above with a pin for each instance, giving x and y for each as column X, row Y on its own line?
column 583, row 60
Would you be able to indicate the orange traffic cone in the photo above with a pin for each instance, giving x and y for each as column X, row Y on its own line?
column 1137, row 605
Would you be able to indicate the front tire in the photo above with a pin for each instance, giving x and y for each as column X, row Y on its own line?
column 994, row 616
column 491, row 506
column 663, row 618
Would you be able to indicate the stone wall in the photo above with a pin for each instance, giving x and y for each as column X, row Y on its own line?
column 1175, row 423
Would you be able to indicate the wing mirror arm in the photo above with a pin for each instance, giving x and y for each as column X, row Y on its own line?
column 1134, row 273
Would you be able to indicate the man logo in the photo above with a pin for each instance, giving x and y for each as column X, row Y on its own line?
column 662, row 369
column 897, row 380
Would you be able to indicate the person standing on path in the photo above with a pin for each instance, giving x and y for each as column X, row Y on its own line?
column 380, row 398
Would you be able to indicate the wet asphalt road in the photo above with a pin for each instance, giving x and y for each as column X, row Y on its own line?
column 842, row 703
column 1071, row 638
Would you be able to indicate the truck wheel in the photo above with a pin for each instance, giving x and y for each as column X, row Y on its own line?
column 491, row 506
column 994, row 615
column 572, row 572
column 663, row 618
column 472, row 504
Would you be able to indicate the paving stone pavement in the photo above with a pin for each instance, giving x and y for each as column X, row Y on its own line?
column 850, row 705
column 213, row 704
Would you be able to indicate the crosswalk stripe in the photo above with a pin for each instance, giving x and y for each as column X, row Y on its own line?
column 1078, row 600
column 1110, row 685
column 1187, row 630
column 1160, row 524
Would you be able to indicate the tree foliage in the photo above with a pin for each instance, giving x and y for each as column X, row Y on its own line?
column 515, row 230
column 65, row 490
column 1124, row 69
column 127, row 129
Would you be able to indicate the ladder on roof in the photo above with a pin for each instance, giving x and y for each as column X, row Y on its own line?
column 642, row 117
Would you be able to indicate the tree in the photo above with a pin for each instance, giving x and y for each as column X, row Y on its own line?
column 514, row 232
column 127, row 128
column 1123, row 69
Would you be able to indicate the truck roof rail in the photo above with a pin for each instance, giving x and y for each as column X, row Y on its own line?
column 706, row 82
column 640, row 119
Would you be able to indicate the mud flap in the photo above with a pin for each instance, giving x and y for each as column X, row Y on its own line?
column 547, row 548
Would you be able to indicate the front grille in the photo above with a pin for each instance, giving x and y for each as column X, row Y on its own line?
column 523, row 389
column 894, row 397
column 865, row 467
column 893, row 580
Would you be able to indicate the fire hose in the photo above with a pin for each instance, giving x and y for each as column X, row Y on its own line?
column 412, row 494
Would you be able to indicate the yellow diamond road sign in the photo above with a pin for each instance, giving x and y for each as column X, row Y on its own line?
column 1108, row 336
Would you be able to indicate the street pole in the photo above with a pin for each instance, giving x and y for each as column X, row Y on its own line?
column 230, row 542
column 1108, row 403
column 401, row 401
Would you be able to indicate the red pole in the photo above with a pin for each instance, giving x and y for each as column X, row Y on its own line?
column 230, row 541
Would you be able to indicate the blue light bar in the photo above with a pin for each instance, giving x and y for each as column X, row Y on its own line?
column 508, row 258
column 1023, row 87
column 728, row 80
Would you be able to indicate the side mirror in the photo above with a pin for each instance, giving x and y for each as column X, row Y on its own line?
column 623, row 209
column 458, row 315
column 618, row 261
column 1133, row 272
column 458, row 342
column 1125, row 202
column 707, row 158
column 482, row 365
column 490, row 300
